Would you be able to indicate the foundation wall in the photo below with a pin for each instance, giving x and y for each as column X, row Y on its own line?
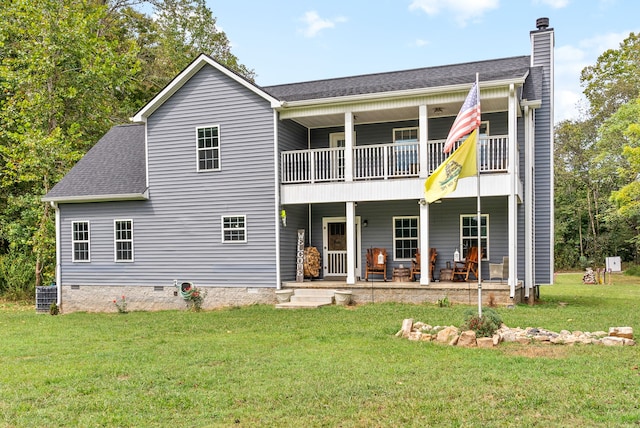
column 147, row 298
column 144, row 298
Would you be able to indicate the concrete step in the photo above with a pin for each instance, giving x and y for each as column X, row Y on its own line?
column 308, row 298
column 319, row 299
column 301, row 305
column 314, row 292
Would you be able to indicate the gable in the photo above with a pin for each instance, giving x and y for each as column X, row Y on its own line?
column 186, row 75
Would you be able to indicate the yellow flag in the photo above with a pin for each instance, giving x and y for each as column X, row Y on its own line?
column 461, row 163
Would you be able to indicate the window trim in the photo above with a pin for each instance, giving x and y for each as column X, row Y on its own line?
column 223, row 229
column 116, row 240
column 484, row 237
column 393, row 228
column 74, row 241
column 406, row 128
column 198, row 149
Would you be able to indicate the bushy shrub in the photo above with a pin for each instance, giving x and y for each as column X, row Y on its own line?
column 17, row 276
column 484, row 326
column 632, row 270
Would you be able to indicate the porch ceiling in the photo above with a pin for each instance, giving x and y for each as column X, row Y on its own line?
column 308, row 119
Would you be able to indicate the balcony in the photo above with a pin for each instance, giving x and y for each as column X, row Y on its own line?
column 383, row 161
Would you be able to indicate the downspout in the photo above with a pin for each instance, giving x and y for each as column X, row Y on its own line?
column 58, row 256
column 529, row 200
column 276, row 184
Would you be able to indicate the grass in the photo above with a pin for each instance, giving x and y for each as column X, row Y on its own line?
column 257, row 366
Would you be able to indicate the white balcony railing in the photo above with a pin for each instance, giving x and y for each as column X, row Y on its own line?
column 382, row 161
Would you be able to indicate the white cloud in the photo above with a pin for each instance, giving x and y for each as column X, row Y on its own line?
column 555, row 4
column 421, row 42
column 315, row 24
column 463, row 10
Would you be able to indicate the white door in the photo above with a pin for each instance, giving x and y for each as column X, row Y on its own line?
column 334, row 246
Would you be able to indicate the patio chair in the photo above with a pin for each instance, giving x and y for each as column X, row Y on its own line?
column 499, row 270
column 415, row 263
column 376, row 263
column 463, row 269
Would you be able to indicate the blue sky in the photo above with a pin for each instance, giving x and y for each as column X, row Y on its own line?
column 287, row 41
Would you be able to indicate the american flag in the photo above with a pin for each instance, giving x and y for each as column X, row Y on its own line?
column 467, row 120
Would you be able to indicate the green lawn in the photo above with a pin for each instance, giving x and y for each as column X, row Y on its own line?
column 336, row 366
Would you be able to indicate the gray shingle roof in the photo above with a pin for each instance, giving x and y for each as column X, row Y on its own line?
column 496, row 69
column 532, row 89
column 114, row 167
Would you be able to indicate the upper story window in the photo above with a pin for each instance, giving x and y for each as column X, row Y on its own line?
column 123, row 240
column 405, row 237
column 208, row 148
column 80, row 241
column 469, row 234
column 234, row 228
column 406, row 150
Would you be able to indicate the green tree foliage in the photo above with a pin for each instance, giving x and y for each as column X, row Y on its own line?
column 623, row 129
column 595, row 175
column 69, row 70
column 614, row 80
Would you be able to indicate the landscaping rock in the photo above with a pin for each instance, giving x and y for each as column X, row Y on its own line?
column 485, row 342
column 626, row 332
column 445, row 335
column 612, row 341
column 467, row 339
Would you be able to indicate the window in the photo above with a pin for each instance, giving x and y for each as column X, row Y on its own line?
column 123, row 231
column 469, row 234
column 483, row 132
column 234, row 229
column 405, row 237
column 80, row 240
column 406, row 150
column 208, row 148
column 336, row 157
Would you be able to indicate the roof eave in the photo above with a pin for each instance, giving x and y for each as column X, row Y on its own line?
column 98, row 198
column 400, row 94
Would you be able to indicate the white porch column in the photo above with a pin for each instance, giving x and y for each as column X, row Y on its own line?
column 513, row 203
column 351, row 242
column 423, row 141
column 425, row 278
column 348, row 146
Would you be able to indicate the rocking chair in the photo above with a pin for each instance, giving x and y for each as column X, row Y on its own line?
column 376, row 263
column 463, row 269
column 415, row 264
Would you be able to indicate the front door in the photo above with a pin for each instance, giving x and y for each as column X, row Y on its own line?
column 334, row 245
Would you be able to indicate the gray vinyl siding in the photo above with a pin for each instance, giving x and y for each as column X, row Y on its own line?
column 292, row 136
column 178, row 232
column 543, row 191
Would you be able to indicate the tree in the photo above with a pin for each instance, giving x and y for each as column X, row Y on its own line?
column 69, row 70
column 614, row 80
column 623, row 128
column 594, row 163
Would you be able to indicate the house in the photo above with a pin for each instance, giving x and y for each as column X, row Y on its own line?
column 200, row 186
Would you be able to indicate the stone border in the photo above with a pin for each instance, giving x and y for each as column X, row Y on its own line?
column 419, row 331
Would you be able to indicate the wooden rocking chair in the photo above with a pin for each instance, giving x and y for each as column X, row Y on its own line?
column 463, row 269
column 415, row 263
column 376, row 263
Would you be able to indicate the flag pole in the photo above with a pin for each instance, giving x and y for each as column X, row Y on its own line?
column 479, row 220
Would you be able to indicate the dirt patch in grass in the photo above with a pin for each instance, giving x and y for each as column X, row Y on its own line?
column 533, row 351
